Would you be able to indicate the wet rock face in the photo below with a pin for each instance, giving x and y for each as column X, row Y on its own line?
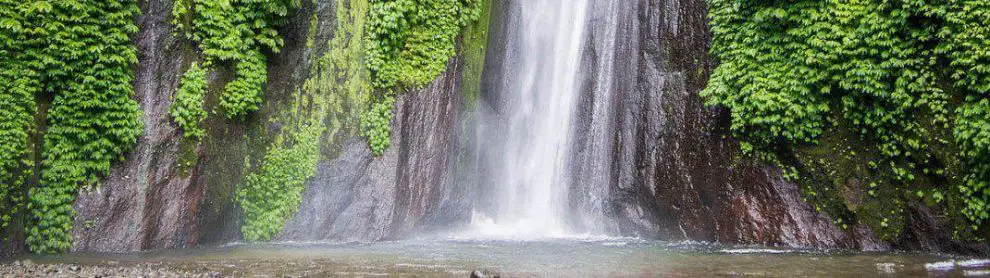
column 152, row 201
column 145, row 203
column 674, row 175
column 360, row 197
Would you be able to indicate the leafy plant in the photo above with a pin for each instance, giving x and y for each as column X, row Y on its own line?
column 235, row 31
column 376, row 125
column 81, row 53
column 323, row 110
column 273, row 193
column 17, row 109
column 966, row 43
column 788, row 71
column 187, row 108
column 244, row 94
column 408, row 43
column 972, row 133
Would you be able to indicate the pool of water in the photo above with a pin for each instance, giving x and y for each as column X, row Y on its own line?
column 555, row 257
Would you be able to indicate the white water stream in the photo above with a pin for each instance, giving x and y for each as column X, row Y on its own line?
column 542, row 90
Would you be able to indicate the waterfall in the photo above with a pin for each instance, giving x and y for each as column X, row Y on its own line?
column 531, row 132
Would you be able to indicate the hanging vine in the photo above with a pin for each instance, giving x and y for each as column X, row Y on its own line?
column 79, row 52
column 408, row 43
column 323, row 110
column 235, row 32
column 790, row 71
column 17, row 109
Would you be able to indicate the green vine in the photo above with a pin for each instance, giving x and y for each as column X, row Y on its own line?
column 376, row 125
column 408, row 44
column 973, row 136
column 81, row 53
column 790, row 71
column 236, row 32
column 243, row 95
column 320, row 113
column 273, row 193
column 966, row 43
column 187, row 107
column 17, row 109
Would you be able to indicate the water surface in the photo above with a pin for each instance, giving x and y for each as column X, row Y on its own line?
column 551, row 257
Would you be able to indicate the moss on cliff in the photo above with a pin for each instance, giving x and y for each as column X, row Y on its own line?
column 323, row 110
column 870, row 98
column 473, row 47
column 408, row 44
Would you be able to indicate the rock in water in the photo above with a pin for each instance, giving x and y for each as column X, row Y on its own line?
column 484, row 273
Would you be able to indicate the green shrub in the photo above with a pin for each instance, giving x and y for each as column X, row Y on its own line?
column 323, row 110
column 966, row 43
column 376, row 125
column 244, row 94
column 83, row 54
column 408, row 43
column 187, row 108
column 273, row 193
column 788, row 71
column 17, row 109
column 972, row 133
column 235, row 31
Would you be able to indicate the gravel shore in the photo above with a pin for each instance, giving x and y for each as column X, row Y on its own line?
column 226, row 268
column 26, row 268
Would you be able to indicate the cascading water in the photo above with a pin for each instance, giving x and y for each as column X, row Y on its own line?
column 534, row 125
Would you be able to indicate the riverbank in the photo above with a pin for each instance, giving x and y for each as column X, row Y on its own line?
column 211, row 268
column 27, row 268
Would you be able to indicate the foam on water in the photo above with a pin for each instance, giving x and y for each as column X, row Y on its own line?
column 941, row 266
column 484, row 228
column 755, row 251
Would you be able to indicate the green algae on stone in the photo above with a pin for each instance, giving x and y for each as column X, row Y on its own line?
column 474, row 43
column 324, row 109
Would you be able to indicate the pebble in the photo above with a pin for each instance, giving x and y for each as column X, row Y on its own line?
column 27, row 268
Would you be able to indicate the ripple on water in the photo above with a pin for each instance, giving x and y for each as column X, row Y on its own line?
column 755, row 251
column 889, row 268
column 974, row 263
column 941, row 266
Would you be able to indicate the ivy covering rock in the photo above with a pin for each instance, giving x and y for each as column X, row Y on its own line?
column 909, row 78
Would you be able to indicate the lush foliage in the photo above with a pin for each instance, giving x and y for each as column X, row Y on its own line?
column 273, row 193
column 320, row 113
column 243, row 95
column 973, row 134
column 375, row 125
column 187, row 107
column 17, row 109
column 967, row 45
column 408, row 43
column 789, row 71
column 235, row 31
column 473, row 48
column 79, row 52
